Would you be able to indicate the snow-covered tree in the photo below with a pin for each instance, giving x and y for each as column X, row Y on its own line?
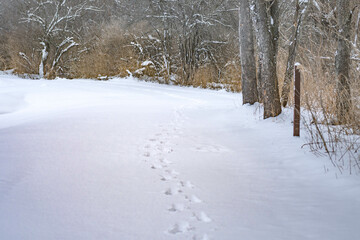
column 58, row 31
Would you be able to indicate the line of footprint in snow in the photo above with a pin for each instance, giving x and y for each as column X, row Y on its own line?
column 155, row 151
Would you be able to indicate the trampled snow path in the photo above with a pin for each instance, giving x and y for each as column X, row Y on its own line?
column 130, row 160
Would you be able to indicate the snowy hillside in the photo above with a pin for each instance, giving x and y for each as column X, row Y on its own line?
column 130, row 160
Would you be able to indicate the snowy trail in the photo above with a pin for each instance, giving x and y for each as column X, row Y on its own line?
column 131, row 160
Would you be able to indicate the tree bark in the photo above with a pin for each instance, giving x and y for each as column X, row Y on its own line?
column 342, row 62
column 267, row 52
column 248, row 64
column 274, row 15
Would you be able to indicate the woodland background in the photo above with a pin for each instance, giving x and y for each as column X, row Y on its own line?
column 196, row 43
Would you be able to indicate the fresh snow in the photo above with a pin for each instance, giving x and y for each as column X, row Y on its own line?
column 129, row 160
column 147, row 63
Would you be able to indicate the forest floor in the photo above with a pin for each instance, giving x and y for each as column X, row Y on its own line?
column 130, row 160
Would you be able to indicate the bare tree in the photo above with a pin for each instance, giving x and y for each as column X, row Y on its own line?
column 187, row 35
column 56, row 19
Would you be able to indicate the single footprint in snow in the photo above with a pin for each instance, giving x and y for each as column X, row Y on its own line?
column 160, row 148
column 168, row 150
column 202, row 217
column 193, row 199
column 152, row 140
column 166, row 177
column 177, row 207
column 187, row 184
column 172, row 172
column 165, row 149
column 147, row 146
column 211, row 148
column 163, row 165
column 204, row 237
column 147, row 154
column 181, row 228
column 164, row 160
column 172, row 191
column 156, row 166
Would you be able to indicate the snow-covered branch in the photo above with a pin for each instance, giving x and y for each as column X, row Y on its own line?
column 61, row 51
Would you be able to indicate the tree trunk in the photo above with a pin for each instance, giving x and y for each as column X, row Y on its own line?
column 267, row 52
column 248, row 64
column 44, row 57
column 274, row 16
column 342, row 62
column 289, row 74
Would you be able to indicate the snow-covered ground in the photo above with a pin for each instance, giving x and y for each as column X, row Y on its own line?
column 129, row 160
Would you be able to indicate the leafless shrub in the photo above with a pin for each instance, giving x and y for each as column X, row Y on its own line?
column 341, row 143
column 23, row 53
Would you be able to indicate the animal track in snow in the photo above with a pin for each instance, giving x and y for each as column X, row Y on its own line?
column 167, row 177
column 187, row 184
column 204, row 237
column 193, row 199
column 156, row 151
column 177, row 207
column 173, row 191
column 202, row 217
column 156, row 166
column 181, row 228
column 172, row 172
column 168, row 150
column 211, row 148
column 164, row 160
column 164, row 149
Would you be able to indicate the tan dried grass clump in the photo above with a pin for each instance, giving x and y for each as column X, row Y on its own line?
column 111, row 55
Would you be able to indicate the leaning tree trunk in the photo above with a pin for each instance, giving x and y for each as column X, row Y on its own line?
column 248, row 64
column 289, row 73
column 267, row 52
column 342, row 62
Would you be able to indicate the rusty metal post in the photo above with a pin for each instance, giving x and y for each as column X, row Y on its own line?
column 297, row 102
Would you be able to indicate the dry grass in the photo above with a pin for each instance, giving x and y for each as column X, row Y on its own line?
column 210, row 77
column 23, row 56
column 110, row 55
column 232, row 76
column 340, row 142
